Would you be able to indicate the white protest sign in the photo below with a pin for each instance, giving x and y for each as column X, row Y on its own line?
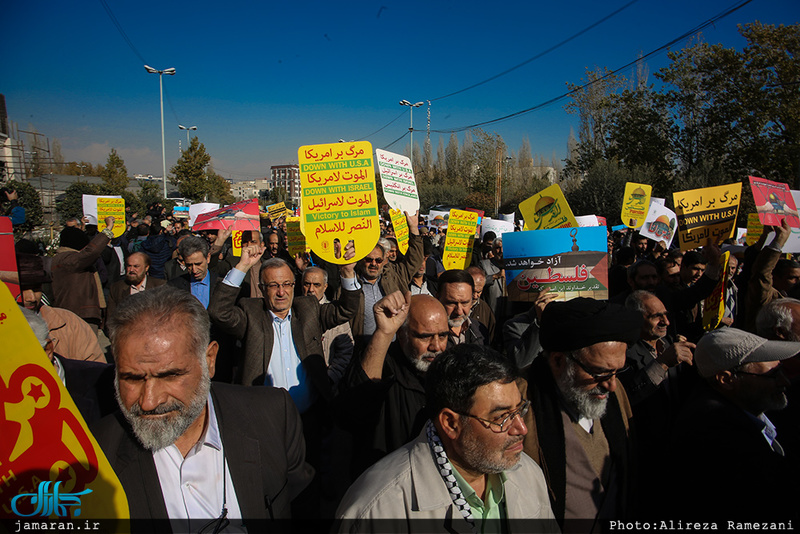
column 397, row 181
column 660, row 224
column 90, row 206
column 197, row 209
column 587, row 220
column 496, row 226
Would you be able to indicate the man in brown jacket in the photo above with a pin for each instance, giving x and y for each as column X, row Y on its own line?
column 76, row 284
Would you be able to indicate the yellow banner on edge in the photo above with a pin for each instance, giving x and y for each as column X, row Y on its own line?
column 547, row 209
column 276, row 211
column 714, row 306
column 635, row 204
column 295, row 239
column 754, row 228
column 460, row 234
column 112, row 207
column 45, row 438
column 707, row 215
column 339, row 199
column 400, row 225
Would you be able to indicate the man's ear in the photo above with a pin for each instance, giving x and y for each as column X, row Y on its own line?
column 211, row 358
column 724, row 379
column 558, row 362
column 450, row 423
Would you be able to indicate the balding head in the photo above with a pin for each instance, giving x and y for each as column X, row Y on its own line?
column 424, row 334
column 136, row 268
column 780, row 320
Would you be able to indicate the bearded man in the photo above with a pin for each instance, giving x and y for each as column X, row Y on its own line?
column 579, row 418
column 137, row 278
column 187, row 453
column 456, row 291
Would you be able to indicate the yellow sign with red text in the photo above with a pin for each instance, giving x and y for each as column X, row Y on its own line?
column 400, row 225
column 112, row 207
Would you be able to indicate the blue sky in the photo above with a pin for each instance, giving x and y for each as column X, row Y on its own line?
column 260, row 79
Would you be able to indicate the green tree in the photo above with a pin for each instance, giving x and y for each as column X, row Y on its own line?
column 115, row 175
column 219, row 190
column 28, row 198
column 189, row 173
column 72, row 203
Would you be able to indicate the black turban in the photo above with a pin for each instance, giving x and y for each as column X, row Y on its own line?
column 581, row 322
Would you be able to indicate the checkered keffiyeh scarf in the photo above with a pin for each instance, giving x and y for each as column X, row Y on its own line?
column 446, row 471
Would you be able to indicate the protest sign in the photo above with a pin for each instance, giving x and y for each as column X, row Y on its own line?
column 236, row 243
column 438, row 219
column 635, row 204
column 587, row 220
column 571, row 262
column 792, row 244
column 47, row 452
column 397, row 181
column 339, row 199
column 714, row 306
column 400, row 225
column 774, row 202
column 90, row 206
column 276, row 211
column 8, row 257
column 197, row 209
column 460, row 236
column 112, row 207
column 754, row 228
column 707, row 215
column 497, row 226
column 547, row 209
column 660, row 223
column 295, row 239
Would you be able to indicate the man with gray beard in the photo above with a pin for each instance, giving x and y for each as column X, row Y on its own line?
column 456, row 290
column 189, row 454
column 578, row 425
column 382, row 396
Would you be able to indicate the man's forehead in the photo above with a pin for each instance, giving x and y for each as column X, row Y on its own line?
column 195, row 258
column 277, row 274
column 313, row 276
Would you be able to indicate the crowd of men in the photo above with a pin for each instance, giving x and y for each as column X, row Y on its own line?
column 392, row 394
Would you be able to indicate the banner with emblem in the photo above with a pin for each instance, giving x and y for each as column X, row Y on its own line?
column 400, row 225
column 547, row 209
column 635, row 204
column 50, row 464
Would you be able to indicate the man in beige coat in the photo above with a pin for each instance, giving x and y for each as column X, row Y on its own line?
column 466, row 469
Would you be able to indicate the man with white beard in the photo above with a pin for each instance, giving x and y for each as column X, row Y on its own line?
column 382, row 396
column 578, row 425
column 456, row 288
column 189, row 454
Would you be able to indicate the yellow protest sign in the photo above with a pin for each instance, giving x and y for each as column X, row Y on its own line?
column 276, row 211
column 707, row 215
column 754, row 228
column 294, row 237
column 339, row 200
column 400, row 225
column 236, row 243
column 47, row 453
column 460, row 234
column 714, row 306
column 112, row 207
column 635, row 204
column 547, row 209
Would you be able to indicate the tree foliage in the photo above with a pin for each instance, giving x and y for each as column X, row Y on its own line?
column 189, row 173
column 28, row 198
column 114, row 174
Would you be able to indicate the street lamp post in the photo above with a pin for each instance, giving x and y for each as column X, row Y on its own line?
column 171, row 72
column 182, row 127
column 411, row 125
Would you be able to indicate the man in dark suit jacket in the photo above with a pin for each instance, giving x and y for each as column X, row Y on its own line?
column 137, row 269
column 176, row 429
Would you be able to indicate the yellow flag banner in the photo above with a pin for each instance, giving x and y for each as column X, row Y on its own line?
column 400, row 225
column 339, row 200
column 635, row 204
column 714, row 307
column 236, row 243
column 114, row 207
column 460, row 233
column 754, row 228
column 547, row 209
column 707, row 215
column 294, row 236
column 50, row 464
column 276, row 211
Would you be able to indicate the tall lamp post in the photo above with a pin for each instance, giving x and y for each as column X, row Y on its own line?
column 171, row 72
column 411, row 125
column 182, row 127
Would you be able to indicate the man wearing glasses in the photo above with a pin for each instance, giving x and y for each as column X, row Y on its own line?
column 723, row 441
column 578, row 424
column 466, row 469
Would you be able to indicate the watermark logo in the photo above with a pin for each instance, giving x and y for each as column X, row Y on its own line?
column 48, row 502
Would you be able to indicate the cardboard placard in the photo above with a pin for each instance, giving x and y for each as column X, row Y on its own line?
column 461, row 229
column 112, row 207
column 339, row 199
column 547, row 209
column 660, row 224
column 714, row 307
column 707, row 215
column 635, row 204
column 774, row 202
column 397, row 180
column 400, row 225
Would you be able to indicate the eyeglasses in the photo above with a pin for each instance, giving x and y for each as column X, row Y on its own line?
column 598, row 377
column 273, row 286
column 502, row 426
column 373, row 260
